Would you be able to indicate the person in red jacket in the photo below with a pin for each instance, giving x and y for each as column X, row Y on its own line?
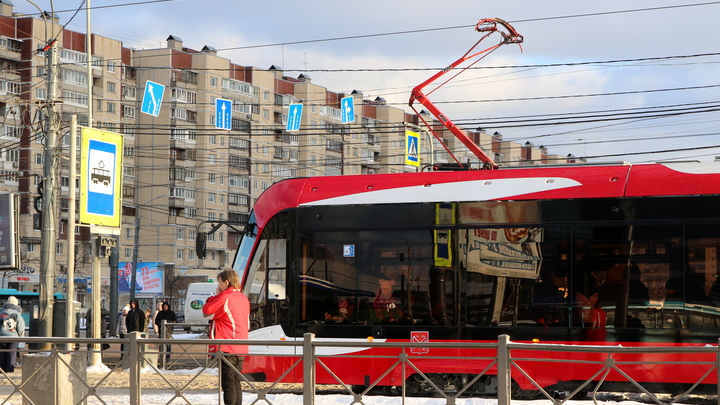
column 229, row 311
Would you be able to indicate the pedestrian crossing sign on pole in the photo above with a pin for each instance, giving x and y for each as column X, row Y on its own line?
column 412, row 148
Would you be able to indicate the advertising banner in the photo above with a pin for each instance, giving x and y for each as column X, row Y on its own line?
column 149, row 277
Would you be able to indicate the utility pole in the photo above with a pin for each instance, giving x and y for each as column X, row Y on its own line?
column 50, row 197
column 133, row 276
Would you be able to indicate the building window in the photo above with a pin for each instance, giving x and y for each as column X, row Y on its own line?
column 211, row 198
column 111, row 67
column 30, row 247
column 181, row 254
column 76, row 99
column 128, row 253
column 129, row 92
column 128, row 111
column 211, row 178
column 128, row 191
column 214, row 82
column 180, row 233
column 58, row 248
column 238, row 199
column 39, row 158
column 111, row 87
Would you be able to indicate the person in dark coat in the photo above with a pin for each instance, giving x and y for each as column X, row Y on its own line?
column 135, row 318
column 167, row 315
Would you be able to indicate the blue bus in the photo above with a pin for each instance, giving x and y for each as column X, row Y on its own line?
column 29, row 301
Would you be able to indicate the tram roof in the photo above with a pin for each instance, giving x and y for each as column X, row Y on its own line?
column 614, row 180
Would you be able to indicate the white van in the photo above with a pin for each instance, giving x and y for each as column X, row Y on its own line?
column 197, row 294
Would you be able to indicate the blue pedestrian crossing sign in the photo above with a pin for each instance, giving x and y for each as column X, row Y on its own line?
column 294, row 117
column 152, row 98
column 412, row 148
column 223, row 114
column 347, row 110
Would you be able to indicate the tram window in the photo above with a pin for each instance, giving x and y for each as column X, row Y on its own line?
column 328, row 281
column 367, row 277
column 702, row 281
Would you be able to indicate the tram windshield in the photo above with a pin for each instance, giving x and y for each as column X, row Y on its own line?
column 245, row 248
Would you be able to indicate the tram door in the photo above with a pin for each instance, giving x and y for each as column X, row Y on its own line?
column 268, row 283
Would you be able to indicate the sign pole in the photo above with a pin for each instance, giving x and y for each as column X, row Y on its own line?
column 70, row 276
column 97, row 315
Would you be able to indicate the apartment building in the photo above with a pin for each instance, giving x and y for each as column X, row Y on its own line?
column 181, row 175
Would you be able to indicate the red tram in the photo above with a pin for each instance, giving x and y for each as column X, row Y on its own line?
column 594, row 254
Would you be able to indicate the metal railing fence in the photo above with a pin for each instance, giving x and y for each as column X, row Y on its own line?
column 505, row 360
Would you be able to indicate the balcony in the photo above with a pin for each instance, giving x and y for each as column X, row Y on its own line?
column 10, row 49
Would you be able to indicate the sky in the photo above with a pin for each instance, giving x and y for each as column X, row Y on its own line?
column 618, row 80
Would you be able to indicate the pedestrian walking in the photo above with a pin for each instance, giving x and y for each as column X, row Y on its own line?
column 166, row 315
column 156, row 327
column 121, row 329
column 135, row 318
column 148, row 320
column 229, row 312
column 11, row 324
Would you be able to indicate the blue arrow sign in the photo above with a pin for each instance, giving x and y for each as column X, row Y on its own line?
column 223, row 114
column 152, row 98
column 294, row 117
column 347, row 110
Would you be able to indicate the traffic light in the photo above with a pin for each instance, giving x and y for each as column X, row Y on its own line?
column 104, row 245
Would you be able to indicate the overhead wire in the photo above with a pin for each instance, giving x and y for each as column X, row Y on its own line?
column 616, row 61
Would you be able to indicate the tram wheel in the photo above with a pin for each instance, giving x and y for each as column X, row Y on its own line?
column 518, row 393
